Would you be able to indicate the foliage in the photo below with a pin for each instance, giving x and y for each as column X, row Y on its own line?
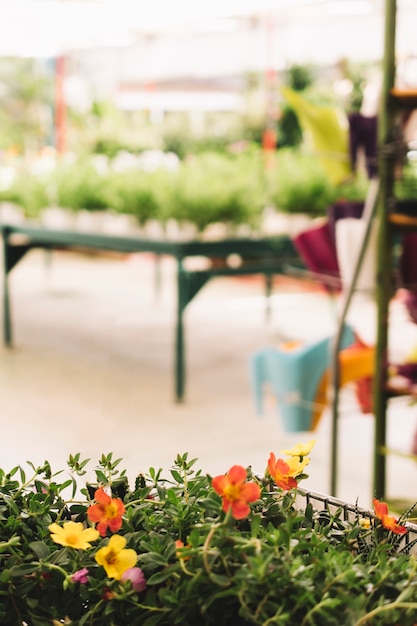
column 79, row 185
column 27, row 191
column 212, row 187
column 299, row 185
column 289, row 132
column 406, row 186
column 230, row 550
column 26, row 96
column 353, row 189
column 139, row 193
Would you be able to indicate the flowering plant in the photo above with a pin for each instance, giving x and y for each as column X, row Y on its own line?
column 192, row 549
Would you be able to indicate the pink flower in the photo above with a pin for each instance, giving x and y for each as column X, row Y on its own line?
column 136, row 577
column 81, row 576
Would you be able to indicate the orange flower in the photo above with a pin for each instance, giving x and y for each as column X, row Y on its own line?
column 388, row 521
column 179, row 545
column 107, row 513
column 281, row 473
column 235, row 492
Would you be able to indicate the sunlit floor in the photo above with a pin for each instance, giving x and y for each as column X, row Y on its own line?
column 91, row 371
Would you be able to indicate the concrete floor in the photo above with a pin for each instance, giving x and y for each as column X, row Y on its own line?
column 91, row 371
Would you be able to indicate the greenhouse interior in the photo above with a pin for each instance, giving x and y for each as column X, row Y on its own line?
column 209, row 237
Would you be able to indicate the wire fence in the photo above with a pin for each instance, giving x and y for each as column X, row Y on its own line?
column 351, row 512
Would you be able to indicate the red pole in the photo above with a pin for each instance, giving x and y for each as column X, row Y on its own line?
column 60, row 109
column 269, row 139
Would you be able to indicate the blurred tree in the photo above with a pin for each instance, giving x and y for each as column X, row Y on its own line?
column 298, row 78
column 356, row 75
column 26, row 104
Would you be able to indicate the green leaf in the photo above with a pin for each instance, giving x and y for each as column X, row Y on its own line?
column 101, row 477
column 153, row 558
column 77, row 509
column 4, row 575
column 219, row 579
column 172, row 496
column 255, row 525
column 40, row 549
column 159, row 577
column 177, row 476
column 23, row 570
column 154, row 619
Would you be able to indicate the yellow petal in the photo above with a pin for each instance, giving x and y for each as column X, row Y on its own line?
column 55, row 528
column 90, row 534
column 125, row 560
column 301, row 449
column 117, row 543
column 296, row 466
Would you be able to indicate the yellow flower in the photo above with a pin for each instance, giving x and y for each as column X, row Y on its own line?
column 73, row 535
column 364, row 522
column 115, row 558
column 301, row 449
column 296, row 466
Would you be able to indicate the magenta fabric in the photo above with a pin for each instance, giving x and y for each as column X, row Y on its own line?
column 407, row 270
column 363, row 132
column 316, row 248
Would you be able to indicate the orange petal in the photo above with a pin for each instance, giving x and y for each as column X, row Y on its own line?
column 240, row 509
column 390, row 523
column 219, row 484
column 115, row 524
column 250, row 492
column 380, row 508
column 101, row 496
column 95, row 512
column 236, row 474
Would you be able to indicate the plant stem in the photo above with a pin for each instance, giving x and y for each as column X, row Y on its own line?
column 387, row 607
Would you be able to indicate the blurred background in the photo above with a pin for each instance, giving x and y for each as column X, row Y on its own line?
column 183, row 119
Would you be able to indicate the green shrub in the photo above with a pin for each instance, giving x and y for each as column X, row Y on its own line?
column 136, row 193
column 29, row 192
column 298, row 184
column 355, row 189
column 80, row 186
column 406, row 186
column 211, row 187
column 183, row 547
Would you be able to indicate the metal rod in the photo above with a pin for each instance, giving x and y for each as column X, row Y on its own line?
column 386, row 163
column 368, row 217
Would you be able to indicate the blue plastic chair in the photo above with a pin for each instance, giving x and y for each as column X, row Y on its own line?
column 293, row 376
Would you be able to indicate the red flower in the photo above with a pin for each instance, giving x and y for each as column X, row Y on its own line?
column 107, row 595
column 280, row 472
column 107, row 513
column 388, row 521
column 235, row 492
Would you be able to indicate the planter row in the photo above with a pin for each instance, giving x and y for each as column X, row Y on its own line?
column 273, row 223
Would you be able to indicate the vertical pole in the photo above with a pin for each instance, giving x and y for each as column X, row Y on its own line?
column 179, row 337
column 60, row 109
column 368, row 217
column 268, row 292
column 269, row 139
column 158, row 276
column 386, row 162
column 7, row 325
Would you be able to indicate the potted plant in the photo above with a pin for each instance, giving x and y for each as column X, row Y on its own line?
column 212, row 188
column 191, row 549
